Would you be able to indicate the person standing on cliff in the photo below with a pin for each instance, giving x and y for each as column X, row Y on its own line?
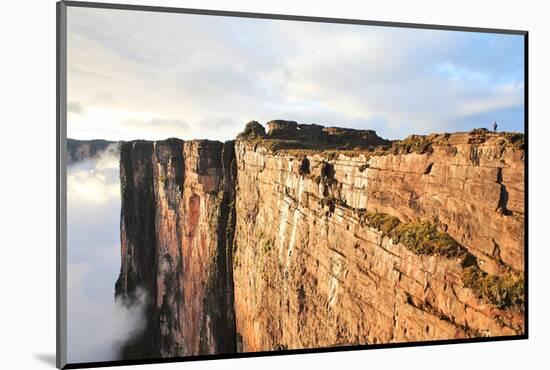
column 495, row 126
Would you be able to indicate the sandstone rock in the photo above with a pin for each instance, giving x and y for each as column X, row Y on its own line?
column 176, row 231
column 308, row 274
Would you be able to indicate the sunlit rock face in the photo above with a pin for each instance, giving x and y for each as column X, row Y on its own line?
column 176, row 229
column 276, row 242
column 308, row 273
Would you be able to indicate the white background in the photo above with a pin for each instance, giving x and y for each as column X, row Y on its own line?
column 27, row 185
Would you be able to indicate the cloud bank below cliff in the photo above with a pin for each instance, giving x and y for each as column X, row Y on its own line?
column 96, row 324
column 154, row 75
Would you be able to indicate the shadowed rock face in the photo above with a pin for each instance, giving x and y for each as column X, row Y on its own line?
column 248, row 246
column 176, row 235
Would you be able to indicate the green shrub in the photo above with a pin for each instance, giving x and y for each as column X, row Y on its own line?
column 382, row 222
column 501, row 291
column 423, row 238
column 517, row 140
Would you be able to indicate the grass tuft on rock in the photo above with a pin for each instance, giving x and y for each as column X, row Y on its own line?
column 382, row 222
column 501, row 291
column 517, row 140
column 423, row 238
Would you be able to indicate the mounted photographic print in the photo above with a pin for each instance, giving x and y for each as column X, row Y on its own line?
column 239, row 184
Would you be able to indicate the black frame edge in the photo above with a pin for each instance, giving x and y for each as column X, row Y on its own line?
column 61, row 194
column 291, row 352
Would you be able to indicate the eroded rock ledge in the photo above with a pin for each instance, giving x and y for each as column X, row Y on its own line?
column 305, row 236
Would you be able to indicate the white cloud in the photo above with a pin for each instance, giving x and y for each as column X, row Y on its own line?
column 94, row 182
column 225, row 71
column 97, row 325
column 74, row 107
column 97, row 328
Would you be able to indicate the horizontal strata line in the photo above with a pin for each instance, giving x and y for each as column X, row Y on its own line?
column 440, row 315
column 406, row 200
column 478, row 310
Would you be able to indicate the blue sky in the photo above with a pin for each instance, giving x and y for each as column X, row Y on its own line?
column 155, row 75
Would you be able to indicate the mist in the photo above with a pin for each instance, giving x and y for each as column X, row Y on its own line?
column 97, row 324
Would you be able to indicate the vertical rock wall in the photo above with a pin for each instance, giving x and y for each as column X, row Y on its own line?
column 176, row 232
column 309, row 273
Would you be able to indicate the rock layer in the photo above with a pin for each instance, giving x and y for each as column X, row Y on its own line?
column 309, row 274
column 176, row 237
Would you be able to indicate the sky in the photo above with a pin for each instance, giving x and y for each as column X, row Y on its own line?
column 147, row 75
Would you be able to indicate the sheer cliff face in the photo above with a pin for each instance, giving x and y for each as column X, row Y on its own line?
column 176, row 231
column 309, row 272
column 272, row 243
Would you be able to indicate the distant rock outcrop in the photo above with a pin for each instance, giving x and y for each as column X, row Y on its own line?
column 337, row 136
column 79, row 150
column 252, row 130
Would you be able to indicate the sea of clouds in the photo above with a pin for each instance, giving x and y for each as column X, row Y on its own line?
column 97, row 323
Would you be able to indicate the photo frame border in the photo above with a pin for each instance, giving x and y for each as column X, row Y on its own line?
column 61, row 183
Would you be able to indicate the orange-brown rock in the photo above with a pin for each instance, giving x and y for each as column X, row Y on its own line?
column 265, row 244
column 471, row 183
column 176, row 230
column 308, row 273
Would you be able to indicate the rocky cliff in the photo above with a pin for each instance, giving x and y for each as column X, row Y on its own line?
column 305, row 236
column 176, row 230
column 419, row 241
